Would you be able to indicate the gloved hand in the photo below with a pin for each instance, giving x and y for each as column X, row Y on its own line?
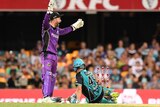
column 52, row 5
column 73, row 99
column 78, row 24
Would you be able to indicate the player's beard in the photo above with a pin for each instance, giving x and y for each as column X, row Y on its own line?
column 57, row 24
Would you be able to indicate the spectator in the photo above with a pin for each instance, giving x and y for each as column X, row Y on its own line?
column 144, row 49
column 155, row 46
column 156, row 49
column 24, row 76
column 120, row 49
column 149, row 57
column 62, row 51
column 84, row 51
column 6, row 56
column 136, row 58
column 153, row 43
column 150, row 63
column 116, row 79
column 144, row 79
column 61, row 65
column 23, row 58
column 131, row 81
column 35, row 82
column 99, row 51
column 39, row 46
column 2, row 76
column 35, row 56
column 158, row 63
column 143, row 83
column 65, row 83
column 144, row 75
column 90, row 68
column 154, row 84
column 122, row 63
column 36, row 67
column 72, row 78
column 90, row 60
column 11, row 59
column 12, row 80
column 99, row 62
column 12, row 68
column 110, row 60
column 57, row 84
column 137, row 69
column 158, row 76
column 132, row 49
column 66, row 72
column 109, row 47
column 22, row 70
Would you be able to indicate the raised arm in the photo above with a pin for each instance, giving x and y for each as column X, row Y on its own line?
column 46, row 24
column 65, row 31
column 73, row 27
column 51, row 6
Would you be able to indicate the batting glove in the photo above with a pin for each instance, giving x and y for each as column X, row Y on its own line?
column 78, row 24
column 73, row 99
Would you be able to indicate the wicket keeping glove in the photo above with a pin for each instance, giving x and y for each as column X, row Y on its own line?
column 52, row 5
column 78, row 24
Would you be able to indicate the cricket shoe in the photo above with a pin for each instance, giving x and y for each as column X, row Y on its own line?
column 51, row 100
column 114, row 96
column 57, row 99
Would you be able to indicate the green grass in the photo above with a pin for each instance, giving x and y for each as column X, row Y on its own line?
column 72, row 105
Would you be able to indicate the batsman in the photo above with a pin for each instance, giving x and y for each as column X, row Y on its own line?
column 50, row 35
column 88, row 86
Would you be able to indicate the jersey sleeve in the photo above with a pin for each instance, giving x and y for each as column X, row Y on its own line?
column 64, row 31
column 46, row 24
column 79, row 80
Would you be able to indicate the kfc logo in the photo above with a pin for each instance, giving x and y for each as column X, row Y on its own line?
column 83, row 5
column 150, row 4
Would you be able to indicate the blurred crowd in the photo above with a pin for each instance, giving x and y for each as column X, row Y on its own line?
column 130, row 66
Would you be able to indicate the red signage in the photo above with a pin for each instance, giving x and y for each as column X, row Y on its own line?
column 130, row 96
column 82, row 5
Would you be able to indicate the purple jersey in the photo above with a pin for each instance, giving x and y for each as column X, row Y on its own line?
column 51, row 35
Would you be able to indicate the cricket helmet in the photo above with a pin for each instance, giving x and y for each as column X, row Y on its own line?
column 78, row 63
column 55, row 15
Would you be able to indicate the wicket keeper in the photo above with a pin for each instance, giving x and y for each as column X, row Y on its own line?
column 50, row 35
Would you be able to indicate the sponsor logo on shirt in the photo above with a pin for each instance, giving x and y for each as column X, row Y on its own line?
column 54, row 35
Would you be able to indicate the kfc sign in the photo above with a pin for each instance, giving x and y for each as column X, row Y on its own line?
column 150, row 4
column 86, row 5
column 81, row 5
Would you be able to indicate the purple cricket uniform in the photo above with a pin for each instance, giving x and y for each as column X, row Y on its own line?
column 50, row 38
